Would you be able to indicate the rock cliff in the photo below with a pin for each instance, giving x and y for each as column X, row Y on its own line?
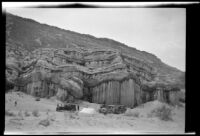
column 46, row 61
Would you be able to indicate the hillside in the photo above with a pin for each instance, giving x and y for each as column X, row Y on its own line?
column 31, row 35
column 44, row 61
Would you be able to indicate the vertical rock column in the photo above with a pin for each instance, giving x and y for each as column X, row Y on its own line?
column 173, row 97
column 127, row 93
column 160, row 94
column 143, row 96
column 137, row 91
column 108, row 92
column 61, row 94
column 115, row 92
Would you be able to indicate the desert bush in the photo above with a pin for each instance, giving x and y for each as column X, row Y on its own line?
column 36, row 113
column 71, row 116
column 9, row 113
column 44, row 122
column 180, row 104
column 136, row 114
column 26, row 114
column 163, row 113
column 37, row 99
column 20, row 115
column 182, row 100
column 47, row 112
column 52, row 117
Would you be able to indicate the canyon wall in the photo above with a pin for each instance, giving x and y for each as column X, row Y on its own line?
column 76, row 66
column 108, row 76
column 126, row 93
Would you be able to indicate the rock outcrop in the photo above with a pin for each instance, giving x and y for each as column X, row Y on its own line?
column 100, row 75
column 168, row 93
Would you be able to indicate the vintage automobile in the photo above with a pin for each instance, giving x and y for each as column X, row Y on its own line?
column 67, row 106
column 114, row 109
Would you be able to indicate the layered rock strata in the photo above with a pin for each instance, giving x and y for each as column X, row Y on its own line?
column 47, row 61
column 100, row 76
column 162, row 92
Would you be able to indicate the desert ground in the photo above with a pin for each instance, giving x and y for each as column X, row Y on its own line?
column 31, row 116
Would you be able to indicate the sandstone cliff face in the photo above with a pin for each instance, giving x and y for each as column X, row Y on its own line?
column 168, row 93
column 76, row 71
column 108, row 76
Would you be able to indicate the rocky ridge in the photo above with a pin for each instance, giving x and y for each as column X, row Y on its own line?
column 75, row 66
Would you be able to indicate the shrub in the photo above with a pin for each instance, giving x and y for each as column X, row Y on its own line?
column 37, row 99
column 136, row 114
column 20, row 115
column 47, row 112
column 180, row 105
column 26, row 113
column 71, row 116
column 44, row 122
column 52, row 117
column 163, row 113
column 8, row 113
column 182, row 100
column 35, row 113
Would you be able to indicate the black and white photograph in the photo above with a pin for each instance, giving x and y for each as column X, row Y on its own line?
column 95, row 70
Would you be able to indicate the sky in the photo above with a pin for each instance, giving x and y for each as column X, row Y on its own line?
column 161, row 31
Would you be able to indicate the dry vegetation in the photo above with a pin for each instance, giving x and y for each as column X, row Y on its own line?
column 44, row 122
column 41, row 116
column 9, row 113
column 36, row 113
column 27, row 114
column 163, row 113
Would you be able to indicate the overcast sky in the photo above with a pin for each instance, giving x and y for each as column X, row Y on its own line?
column 161, row 31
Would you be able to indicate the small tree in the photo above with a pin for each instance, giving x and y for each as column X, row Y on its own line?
column 36, row 113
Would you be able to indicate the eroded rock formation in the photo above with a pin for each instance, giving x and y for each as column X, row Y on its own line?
column 110, row 76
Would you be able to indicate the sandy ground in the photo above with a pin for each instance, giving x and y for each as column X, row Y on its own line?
column 77, row 122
